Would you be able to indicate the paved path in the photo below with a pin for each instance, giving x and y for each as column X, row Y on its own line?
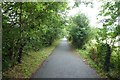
column 62, row 63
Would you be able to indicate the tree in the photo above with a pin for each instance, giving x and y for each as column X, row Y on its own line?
column 107, row 36
column 29, row 26
column 80, row 31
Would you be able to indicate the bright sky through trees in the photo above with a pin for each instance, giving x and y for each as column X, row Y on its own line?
column 91, row 12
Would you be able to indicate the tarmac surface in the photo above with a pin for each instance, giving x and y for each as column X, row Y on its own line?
column 62, row 63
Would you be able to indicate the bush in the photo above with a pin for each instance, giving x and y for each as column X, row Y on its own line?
column 79, row 33
column 93, row 53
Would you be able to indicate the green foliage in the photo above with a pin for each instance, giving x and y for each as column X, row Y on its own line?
column 93, row 54
column 107, row 37
column 80, row 31
column 101, row 46
column 30, row 63
column 29, row 26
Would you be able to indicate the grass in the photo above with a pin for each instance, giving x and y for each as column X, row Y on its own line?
column 30, row 63
column 84, row 54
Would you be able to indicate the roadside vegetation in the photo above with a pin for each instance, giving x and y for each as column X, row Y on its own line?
column 30, row 63
column 98, row 45
column 29, row 30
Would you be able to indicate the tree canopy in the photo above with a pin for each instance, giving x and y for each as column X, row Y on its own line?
column 29, row 26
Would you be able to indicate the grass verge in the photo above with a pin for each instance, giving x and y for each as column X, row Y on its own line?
column 84, row 54
column 30, row 63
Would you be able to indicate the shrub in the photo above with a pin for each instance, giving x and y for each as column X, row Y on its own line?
column 79, row 33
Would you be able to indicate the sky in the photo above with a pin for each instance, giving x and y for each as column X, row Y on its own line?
column 90, row 12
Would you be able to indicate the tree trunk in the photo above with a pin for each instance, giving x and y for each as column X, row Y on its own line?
column 107, row 58
column 20, row 23
column 20, row 53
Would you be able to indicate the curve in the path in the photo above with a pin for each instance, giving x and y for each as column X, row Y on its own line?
column 62, row 63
